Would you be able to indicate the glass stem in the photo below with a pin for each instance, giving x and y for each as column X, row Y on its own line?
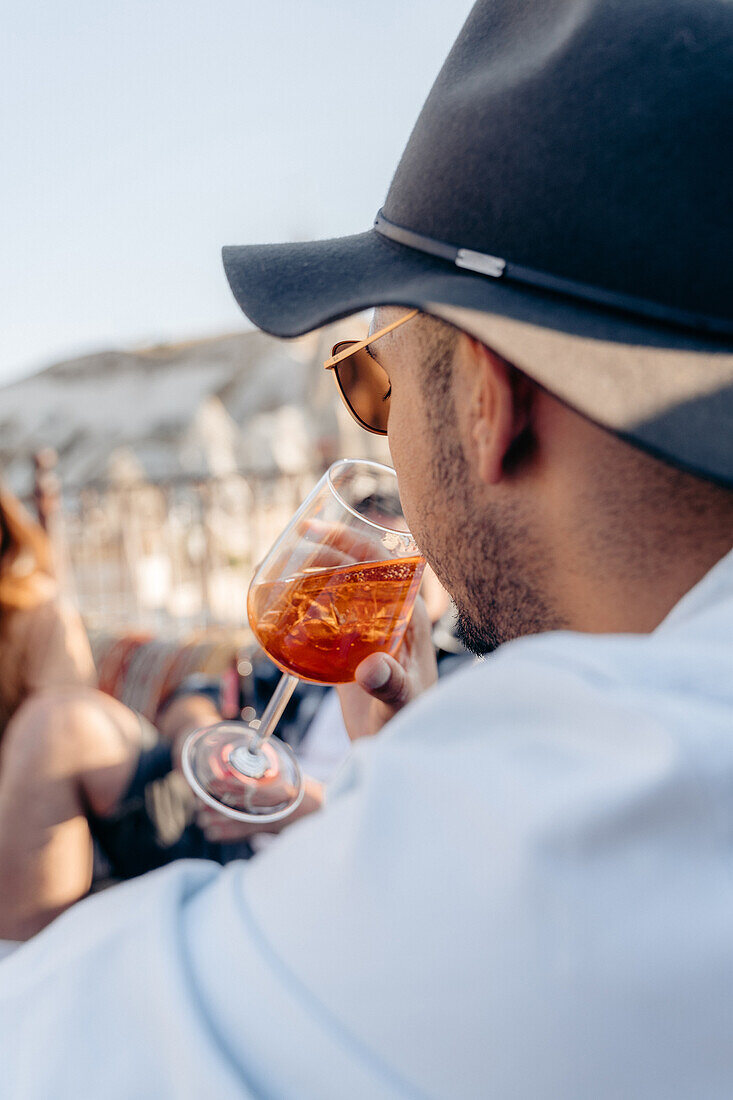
column 274, row 710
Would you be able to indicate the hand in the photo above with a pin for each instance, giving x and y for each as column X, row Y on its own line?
column 328, row 545
column 183, row 716
column 385, row 684
column 225, row 830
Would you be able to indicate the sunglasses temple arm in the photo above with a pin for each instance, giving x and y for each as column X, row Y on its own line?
column 361, row 344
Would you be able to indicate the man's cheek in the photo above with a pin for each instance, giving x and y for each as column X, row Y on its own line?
column 406, row 438
column 406, row 460
column 399, row 437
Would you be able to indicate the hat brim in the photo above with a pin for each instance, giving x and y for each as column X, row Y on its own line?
column 667, row 390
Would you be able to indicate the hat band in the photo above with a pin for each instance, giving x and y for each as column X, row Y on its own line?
column 482, row 263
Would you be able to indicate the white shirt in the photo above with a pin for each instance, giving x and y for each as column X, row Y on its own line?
column 522, row 889
column 326, row 744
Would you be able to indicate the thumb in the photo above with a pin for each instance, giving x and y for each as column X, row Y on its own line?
column 385, row 679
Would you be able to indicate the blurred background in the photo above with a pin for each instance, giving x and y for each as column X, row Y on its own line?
column 161, row 441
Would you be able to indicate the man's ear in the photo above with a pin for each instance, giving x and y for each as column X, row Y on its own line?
column 500, row 413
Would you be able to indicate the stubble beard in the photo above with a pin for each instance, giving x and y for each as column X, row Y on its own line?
column 485, row 557
column 495, row 591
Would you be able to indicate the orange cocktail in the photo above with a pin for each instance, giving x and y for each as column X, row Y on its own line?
column 337, row 585
column 320, row 624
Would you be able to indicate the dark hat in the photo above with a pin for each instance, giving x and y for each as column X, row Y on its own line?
column 565, row 197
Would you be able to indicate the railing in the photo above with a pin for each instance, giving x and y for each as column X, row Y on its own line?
column 173, row 556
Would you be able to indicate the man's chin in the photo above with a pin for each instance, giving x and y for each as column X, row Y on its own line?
column 478, row 638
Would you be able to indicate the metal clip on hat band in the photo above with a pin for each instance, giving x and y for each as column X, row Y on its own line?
column 482, row 263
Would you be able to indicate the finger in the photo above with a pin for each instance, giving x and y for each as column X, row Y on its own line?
column 385, row 679
column 330, row 545
column 223, row 834
column 356, row 546
column 216, row 826
column 309, row 555
column 233, row 831
column 419, row 632
column 206, row 817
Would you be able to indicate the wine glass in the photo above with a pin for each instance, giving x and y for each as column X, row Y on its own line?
column 338, row 584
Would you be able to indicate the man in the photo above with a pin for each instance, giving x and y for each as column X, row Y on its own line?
column 523, row 886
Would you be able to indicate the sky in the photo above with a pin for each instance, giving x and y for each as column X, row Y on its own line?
column 138, row 138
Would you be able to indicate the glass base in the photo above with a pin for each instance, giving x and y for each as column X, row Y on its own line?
column 229, row 771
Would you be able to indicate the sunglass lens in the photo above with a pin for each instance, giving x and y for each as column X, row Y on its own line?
column 365, row 388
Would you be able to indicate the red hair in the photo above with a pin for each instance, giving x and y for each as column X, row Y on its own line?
column 25, row 556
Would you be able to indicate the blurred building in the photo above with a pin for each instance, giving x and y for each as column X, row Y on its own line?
column 241, row 402
column 178, row 466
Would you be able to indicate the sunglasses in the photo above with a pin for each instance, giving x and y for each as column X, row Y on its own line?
column 363, row 384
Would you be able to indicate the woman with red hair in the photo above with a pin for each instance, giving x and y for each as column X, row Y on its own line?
column 42, row 641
